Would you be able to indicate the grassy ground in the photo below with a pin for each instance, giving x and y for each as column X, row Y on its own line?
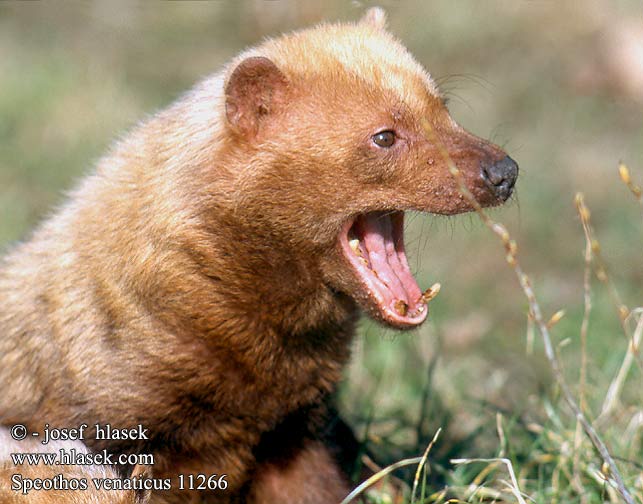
column 536, row 77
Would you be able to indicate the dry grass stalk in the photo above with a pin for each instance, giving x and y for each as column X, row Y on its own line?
column 615, row 388
column 624, row 313
column 501, row 435
column 511, row 256
column 422, row 464
column 587, row 308
column 634, row 339
column 530, row 334
column 587, row 297
column 600, row 267
column 624, row 173
column 378, row 476
column 493, row 462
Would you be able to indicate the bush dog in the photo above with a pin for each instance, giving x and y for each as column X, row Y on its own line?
column 204, row 281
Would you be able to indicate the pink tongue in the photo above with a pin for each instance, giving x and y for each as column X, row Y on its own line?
column 385, row 249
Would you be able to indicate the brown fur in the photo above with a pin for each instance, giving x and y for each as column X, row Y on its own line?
column 193, row 282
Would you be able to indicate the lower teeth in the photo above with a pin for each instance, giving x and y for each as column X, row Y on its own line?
column 401, row 307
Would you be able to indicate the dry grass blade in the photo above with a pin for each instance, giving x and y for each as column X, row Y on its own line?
column 515, row 489
column 587, row 277
column 600, row 267
column 615, row 388
column 632, row 355
column 587, row 309
column 416, row 480
column 378, row 476
column 530, row 334
column 501, row 435
column 541, row 324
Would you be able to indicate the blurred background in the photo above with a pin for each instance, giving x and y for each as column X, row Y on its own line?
column 559, row 84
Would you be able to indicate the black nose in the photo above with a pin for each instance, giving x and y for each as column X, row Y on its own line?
column 500, row 177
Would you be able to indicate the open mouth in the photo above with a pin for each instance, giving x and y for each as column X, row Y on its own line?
column 373, row 243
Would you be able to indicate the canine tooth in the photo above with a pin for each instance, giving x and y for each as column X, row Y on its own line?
column 354, row 245
column 401, row 307
column 430, row 293
column 418, row 311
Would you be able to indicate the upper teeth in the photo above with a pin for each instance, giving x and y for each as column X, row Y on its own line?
column 401, row 307
column 354, row 245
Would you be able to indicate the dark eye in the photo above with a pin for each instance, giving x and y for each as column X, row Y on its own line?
column 384, row 138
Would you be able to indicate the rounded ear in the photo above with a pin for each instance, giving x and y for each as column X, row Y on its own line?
column 375, row 17
column 256, row 89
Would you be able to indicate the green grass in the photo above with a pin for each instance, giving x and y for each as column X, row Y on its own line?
column 75, row 76
column 538, row 437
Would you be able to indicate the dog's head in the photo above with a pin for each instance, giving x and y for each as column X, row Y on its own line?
column 343, row 131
